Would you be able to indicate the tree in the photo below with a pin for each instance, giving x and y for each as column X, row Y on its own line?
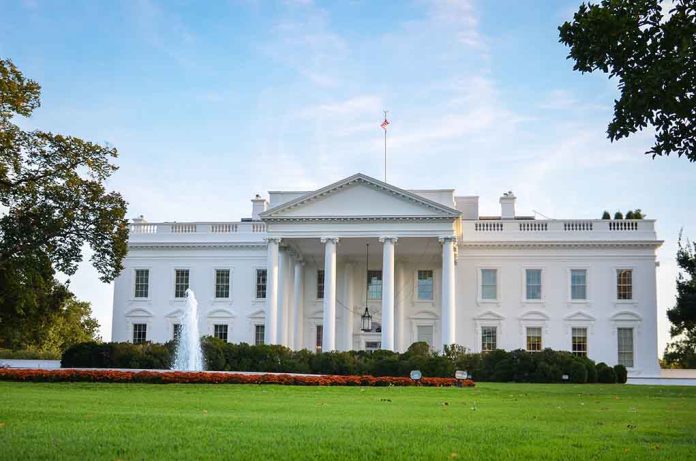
column 606, row 215
column 653, row 55
column 618, row 215
column 52, row 191
column 629, row 214
column 682, row 351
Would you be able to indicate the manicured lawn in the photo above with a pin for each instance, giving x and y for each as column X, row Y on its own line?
column 491, row 421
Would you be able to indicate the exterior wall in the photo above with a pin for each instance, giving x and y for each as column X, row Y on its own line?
column 241, row 311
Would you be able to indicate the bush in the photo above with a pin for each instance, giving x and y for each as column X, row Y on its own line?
column 118, row 355
column 28, row 354
column 577, row 373
column 605, row 374
column 621, row 374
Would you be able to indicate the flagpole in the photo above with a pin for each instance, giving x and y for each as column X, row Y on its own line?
column 385, row 147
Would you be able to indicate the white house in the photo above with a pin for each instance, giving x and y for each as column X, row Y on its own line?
column 301, row 271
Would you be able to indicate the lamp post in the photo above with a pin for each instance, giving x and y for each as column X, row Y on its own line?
column 366, row 324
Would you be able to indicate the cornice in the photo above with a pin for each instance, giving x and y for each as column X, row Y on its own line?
column 312, row 219
column 197, row 245
column 564, row 244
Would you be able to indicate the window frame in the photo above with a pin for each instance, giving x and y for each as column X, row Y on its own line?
column 226, row 330
column 525, row 288
column 481, row 337
column 175, row 336
column 133, row 328
column 256, row 284
column 180, row 268
column 381, row 284
column 572, row 341
column 256, row 334
column 632, row 271
column 570, row 284
column 318, row 338
column 320, row 284
column 432, row 288
column 135, row 284
column 229, row 284
column 540, row 336
column 633, row 346
column 481, row 299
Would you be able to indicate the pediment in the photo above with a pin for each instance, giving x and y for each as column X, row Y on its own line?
column 259, row 314
column 489, row 315
column 175, row 314
column 424, row 315
column 359, row 197
column 626, row 316
column 138, row 312
column 534, row 315
column 221, row 313
column 579, row 316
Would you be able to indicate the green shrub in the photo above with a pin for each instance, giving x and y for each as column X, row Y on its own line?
column 605, row 374
column 606, row 215
column 27, row 354
column 621, row 374
column 577, row 373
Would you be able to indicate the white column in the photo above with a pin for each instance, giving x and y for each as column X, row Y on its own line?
column 347, row 310
column 388, row 292
column 329, row 325
column 448, row 297
column 400, row 309
column 282, row 327
column 271, row 290
column 297, row 305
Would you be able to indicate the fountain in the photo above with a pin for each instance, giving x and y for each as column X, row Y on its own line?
column 188, row 355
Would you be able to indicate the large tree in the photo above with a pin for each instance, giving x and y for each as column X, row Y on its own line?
column 53, row 202
column 682, row 351
column 652, row 53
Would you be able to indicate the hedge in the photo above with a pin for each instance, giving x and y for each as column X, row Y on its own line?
column 195, row 377
column 547, row 366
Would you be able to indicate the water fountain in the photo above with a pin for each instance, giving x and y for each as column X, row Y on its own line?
column 188, row 355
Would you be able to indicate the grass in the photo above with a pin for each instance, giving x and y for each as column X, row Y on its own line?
column 491, row 421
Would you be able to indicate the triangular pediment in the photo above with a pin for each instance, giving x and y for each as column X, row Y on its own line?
column 489, row 315
column 579, row 316
column 534, row 315
column 359, row 197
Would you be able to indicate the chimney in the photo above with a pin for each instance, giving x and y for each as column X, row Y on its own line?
column 139, row 220
column 259, row 205
column 507, row 205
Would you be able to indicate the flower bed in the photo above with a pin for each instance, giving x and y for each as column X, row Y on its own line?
column 193, row 377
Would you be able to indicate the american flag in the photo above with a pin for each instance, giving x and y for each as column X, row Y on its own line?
column 384, row 124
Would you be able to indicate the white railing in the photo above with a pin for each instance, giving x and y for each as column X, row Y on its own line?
column 198, row 228
column 485, row 229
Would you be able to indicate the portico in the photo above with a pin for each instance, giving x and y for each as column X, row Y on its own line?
column 328, row 236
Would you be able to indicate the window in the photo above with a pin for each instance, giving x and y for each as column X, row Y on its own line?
column 624, row 284
column 424, row 333
column 259, row 335
column 220, row 332
column 176, row 331
column 578, row 284
column 320, row 284
column 181, row 282
column 533, row 339
column 260, row 283
column 374, row 284
column 489, row 284
column 142, row 283
column 222, row 283
column 625, row 336
column 579, row 342
column 489, row 339
column 533, row 283
column 319, row 338
column 373, row 345
column 139, row 333
column 425, row 285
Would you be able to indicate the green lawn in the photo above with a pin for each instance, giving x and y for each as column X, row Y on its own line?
column 491, row 421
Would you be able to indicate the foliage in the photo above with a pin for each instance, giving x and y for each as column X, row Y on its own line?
column 681, row 352
column 52, row 190
column 606, row 215
column 618, row 215
column 653, row 55
column 621, row 373
column 605, row 374
column 547, row 366
column 28, row 354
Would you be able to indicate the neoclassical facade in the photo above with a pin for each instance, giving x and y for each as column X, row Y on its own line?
column 303, row 270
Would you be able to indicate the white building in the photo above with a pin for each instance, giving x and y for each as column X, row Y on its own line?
column 295, row 274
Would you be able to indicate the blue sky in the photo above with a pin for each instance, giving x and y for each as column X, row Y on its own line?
column 211, row 103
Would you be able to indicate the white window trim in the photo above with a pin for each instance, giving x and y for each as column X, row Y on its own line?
column 544, row 334
column 636, row 325
column 526, row 300
column 588, row 328
column 229, row 321
column 479, row 283
column 132, row 296
column 172, row 282
column 415, row 297
column 254, row 299
column 315, row 285
column 479, row 335
column 148, row 329
column 569, row 285
column 426, row 319
column 214, row 298
column 634, row 286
